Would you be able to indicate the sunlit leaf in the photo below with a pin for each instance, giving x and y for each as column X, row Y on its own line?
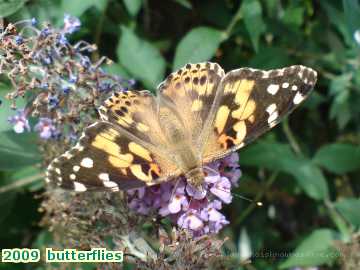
column 200, row 44
column 140, row 58
column 133, row 6
column 314, row 250
column 349, row 208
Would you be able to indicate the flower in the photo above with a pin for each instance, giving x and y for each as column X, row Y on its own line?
column 20, row 121
column 71, row 24
column 191, row 209
column 19, row 40
column 46, row 128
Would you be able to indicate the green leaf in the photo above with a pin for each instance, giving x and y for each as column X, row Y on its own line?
column 117, row 69
column 251, row 11
column 141, row 59
column 133, row 6
column 349, row 209
column 310, row 178
column 316, row 249
column 77, row 8
column 184, row 3
column 273, row 156
column 352, row 15
column 276, row 156
column 338, row 158
column 18, row 150
column 294, row 16
column 200, row 44
column 8, row 7
column 5, row 109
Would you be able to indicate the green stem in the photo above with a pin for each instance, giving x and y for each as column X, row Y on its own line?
column 257, row 199
column 99, row 29
column 237, row 17
column 291, row 138
column 338, row 220
column 22, row 182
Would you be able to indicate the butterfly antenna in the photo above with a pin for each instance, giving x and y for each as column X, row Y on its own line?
column 258, row 203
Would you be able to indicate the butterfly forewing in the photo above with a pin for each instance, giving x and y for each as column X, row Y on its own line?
column 249, row 102
column 104, row 158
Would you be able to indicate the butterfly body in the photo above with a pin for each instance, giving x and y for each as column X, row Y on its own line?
column 200, row 114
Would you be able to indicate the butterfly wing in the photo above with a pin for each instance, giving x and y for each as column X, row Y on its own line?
column 191, row 91
column 107, row 159
column 135, row 113
column 249, row 102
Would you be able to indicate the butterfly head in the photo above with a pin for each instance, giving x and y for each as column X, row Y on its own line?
column 195, row 177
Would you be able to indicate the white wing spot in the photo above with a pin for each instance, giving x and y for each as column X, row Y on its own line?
column 272, row 89
column 271, row 108
column 104, row 177
column 79, row 187
column 87, row 162
column 59, row 179
column 285, row 85
column 110, row 184
column 72, row 176
column 294, row 88
column 76, row 168
column 273, row 116
column 58, row 171
column 298, row 98
column 47, row 180
column 68, row 155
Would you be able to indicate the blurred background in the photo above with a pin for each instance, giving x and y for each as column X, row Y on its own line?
column 305, row 171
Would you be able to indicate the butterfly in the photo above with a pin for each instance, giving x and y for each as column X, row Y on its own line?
column 199, row 114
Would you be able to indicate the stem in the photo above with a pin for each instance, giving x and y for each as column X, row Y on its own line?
column 22, row 182
column 338, row 220
column 257, row 199
column 291, row 138
column 99, row 29
column 237, row 17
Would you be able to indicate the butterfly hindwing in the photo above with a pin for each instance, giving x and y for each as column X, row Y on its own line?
column 250, row 102
column 106, row 159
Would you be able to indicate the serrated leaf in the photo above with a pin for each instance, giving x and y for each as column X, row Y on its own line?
column 133, row 6
column 140, row 58
column 8, row 7
column 314, row 250
column 21, row 148
column 200, row 44
column 349, row 209
column 251, row 11
column 338, row 158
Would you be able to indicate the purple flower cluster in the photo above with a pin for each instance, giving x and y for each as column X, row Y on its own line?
column 199, row 212
column 64, row 83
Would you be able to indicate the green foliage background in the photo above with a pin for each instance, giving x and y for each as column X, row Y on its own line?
column 305, row 171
